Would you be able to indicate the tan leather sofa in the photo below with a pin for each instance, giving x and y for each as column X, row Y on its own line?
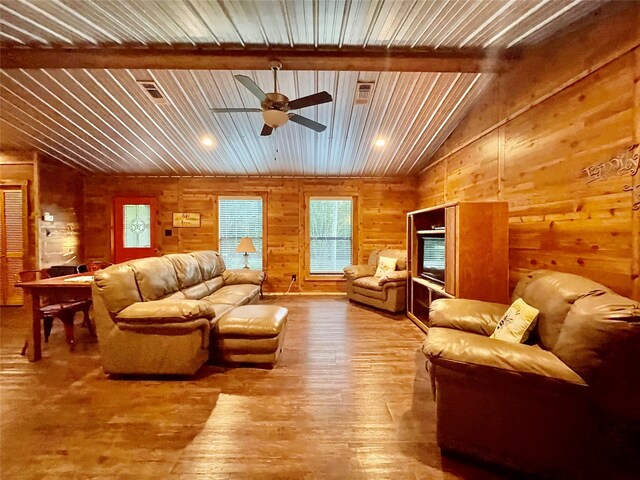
column 536, row 407
column 388, row 292
column 155, row 315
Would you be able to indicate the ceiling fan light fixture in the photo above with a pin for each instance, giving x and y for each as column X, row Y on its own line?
column 275, row 118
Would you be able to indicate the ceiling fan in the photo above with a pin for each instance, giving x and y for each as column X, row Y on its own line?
column 275, row 107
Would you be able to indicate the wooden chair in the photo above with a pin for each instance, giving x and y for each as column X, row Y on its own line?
column 93, row 266
column 64, row 310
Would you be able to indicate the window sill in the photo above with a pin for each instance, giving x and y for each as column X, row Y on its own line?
column 325, row 278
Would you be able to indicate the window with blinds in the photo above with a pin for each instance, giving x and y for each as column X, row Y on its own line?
column 238, row 218
column 331, row 234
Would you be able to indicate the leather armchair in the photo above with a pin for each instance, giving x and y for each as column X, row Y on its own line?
column 535, row 407
column 388, row 292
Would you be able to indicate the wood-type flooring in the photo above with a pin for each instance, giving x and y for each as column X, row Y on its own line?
column 349, row 399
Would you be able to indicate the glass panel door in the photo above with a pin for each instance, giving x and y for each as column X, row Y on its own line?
column 134, row 228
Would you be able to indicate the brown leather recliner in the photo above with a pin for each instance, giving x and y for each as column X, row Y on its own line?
column 535, row 407
column 388, row 292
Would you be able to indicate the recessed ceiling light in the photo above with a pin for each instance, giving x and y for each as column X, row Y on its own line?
column 207, row 142
column 380, row 142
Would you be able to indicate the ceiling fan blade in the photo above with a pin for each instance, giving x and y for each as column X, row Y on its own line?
column 310, row 100
column 266, row 130
column 231, row 110
column 307, row 122
column 251, row 86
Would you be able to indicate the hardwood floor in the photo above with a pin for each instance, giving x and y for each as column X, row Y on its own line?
column 349, row 399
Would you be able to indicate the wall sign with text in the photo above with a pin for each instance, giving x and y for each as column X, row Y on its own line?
column 623, row 164
column 186, row 220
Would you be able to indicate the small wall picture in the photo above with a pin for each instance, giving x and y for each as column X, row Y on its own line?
column 186, row 220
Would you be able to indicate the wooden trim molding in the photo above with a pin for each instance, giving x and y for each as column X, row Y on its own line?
column 471, row 60
column 635, row 214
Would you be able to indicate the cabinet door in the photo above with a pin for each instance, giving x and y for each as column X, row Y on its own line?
column 451, row 239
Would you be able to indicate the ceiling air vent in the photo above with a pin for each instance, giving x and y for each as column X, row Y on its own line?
column 153, row 91
column 364, row 92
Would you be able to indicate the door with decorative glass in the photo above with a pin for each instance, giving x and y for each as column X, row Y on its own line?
column 135, row 228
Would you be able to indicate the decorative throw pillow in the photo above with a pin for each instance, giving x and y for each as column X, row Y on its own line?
column 517, row 323
column 385, row 265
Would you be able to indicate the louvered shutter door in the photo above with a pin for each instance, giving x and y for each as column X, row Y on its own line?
column 12, row 241
column 238, row 218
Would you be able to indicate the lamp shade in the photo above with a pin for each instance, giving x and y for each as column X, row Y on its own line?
column 245, row 246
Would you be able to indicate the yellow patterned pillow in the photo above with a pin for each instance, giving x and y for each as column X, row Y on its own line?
column 517, row 323
column 385, row 265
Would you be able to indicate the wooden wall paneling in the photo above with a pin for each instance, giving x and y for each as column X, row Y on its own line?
column 381, row 211
column 568, row 58
column 472, row 173
column 560, row 217
column 61, row 194
column 548, row 68
column 431, row 186
column 382, row 204
column 283, row 223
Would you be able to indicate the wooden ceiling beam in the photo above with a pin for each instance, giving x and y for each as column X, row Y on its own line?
column 378, row 60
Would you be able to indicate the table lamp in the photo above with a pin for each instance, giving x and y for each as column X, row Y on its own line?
column 246, row 246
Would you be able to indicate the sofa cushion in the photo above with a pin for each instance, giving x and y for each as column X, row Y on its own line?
column 175, row 296
column 210, row 265
column 369, row 283
column 156, row 277
column 233, row 294
column 553, row 293
column 214, row 284
column 187, row 269
column 600, row 340
column 118, row 287
column 197, row 291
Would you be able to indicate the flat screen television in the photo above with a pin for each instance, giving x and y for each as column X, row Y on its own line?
column 433, row 262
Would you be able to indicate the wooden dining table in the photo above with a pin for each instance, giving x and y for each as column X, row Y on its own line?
column 75, row 286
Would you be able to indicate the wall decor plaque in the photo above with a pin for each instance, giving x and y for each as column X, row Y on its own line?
column 186, row 220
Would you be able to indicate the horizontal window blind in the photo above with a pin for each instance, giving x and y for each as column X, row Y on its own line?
column 240, row 218
column 331, row 232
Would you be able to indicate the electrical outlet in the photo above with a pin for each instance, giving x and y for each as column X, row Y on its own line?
column 293, row 277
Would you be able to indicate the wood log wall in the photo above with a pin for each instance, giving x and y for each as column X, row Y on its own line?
column 381, row 206
column 543, row 138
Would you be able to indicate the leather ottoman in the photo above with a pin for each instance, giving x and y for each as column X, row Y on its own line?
column 251, row 334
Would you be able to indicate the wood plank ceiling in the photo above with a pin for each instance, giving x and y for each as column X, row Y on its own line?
column 100, row 120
